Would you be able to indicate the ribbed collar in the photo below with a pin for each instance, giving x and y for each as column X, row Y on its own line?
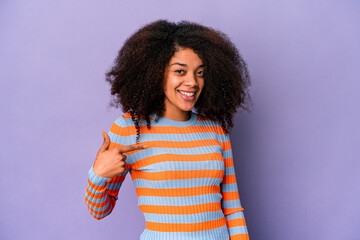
column 168, row 122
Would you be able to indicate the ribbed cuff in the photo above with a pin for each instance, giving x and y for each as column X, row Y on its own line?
column 96, row 179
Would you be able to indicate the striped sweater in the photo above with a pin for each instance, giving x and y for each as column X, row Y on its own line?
column 185, row 180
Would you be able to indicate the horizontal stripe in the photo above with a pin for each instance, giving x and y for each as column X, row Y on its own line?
column 147, row 137
column 226, row 146
column 187, row 218
column 228, row 211
column 163, row 163
column 228, row 154
column 177, row 192
column 229, row 162
column 99, row 214
column 183, row 144
column 127, row 131
column 165, row 157
column 97, row 202
column 238, row 230
column 95, row 179
column 190, row 209
column 144, row 153
column 185, row 227
column 98, row 217
column 231, row 204
column 113, row 193
column 96, row 196
column 229, row 196
column 165, row 175
column 229, row 171
column 228, row 179
column 96, row 187
column 99, row 209
column 240, row 237
column 179, row 201
column 117, row 179
column 116, row 182
column 174, row 183
column 94, row 191
column 229, row 187
column 235, row 215
column 114, row 186
column 235, row 222
column 188, row 144
column 217, row 233
column 98, row 205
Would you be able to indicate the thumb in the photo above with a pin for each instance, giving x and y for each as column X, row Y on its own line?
column 106, row 143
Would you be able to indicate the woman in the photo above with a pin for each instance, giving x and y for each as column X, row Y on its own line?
column 180, row 161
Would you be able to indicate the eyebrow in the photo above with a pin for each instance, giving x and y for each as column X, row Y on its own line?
column 184, row 65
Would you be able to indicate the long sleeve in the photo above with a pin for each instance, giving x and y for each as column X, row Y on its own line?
column 230, row 203
column 101, row 192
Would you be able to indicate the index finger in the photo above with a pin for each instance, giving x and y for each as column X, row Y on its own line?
column 132, row 147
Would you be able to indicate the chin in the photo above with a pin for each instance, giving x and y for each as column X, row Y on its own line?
column 186, row 108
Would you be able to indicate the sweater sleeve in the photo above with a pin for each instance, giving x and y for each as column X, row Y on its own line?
column 231, row 205
column 101, row 192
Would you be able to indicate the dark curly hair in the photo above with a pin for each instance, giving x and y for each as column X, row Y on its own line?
column 137, row 75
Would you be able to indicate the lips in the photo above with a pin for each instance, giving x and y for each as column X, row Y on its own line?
column 187, row 95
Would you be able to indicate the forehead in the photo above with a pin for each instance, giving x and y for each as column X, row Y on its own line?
column 186, row 56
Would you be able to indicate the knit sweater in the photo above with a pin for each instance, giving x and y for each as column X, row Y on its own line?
column 185, row 180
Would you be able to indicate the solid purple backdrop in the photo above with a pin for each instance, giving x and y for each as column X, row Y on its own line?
column 296, row 155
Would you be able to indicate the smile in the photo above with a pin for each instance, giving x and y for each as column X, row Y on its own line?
column 188, row 94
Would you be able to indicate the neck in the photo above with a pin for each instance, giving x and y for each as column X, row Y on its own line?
column 177, row 116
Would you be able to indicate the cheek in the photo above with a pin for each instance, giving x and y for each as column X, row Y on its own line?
column 172, row 84
column 169, row 87
column 201, row 84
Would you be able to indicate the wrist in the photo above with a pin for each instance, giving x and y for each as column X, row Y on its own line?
column 96, row 178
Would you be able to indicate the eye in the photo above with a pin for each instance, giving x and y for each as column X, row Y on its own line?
column 200, row 73
column 179, row 71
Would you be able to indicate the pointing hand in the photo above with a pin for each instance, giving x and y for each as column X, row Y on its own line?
column 111, row 163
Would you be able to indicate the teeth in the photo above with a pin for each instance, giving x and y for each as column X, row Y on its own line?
column 187, row 93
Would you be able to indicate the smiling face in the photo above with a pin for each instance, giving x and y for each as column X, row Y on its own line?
column 183, row 83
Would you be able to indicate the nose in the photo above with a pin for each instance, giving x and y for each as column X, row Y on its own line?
column 191, row 81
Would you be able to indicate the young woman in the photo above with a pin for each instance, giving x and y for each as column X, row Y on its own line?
column 180, row 160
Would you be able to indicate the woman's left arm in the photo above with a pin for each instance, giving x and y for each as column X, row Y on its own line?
column 231, row 205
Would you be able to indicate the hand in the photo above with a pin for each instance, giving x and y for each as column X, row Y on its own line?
column 111, row 163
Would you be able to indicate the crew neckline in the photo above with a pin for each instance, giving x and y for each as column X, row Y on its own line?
column 175, row 123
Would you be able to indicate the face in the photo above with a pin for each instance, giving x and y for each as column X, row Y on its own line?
column 183, row 83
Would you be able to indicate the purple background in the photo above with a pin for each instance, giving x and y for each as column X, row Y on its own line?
column 296, row 155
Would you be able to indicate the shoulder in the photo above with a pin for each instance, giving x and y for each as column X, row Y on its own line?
column 211, row 126
column 124, row 120
column 206, row 121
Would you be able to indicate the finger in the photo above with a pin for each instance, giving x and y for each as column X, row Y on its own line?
column 122, row 157
column 106, row 142
column 132, row 147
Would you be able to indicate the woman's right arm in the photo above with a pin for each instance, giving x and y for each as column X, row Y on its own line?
column 101, row 193
column 108, row 172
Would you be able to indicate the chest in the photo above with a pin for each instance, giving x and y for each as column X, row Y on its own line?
column 167, row 158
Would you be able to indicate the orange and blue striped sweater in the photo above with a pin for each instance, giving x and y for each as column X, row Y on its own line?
column 185, row 181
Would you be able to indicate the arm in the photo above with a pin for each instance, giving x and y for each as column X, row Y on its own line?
column 230, row 203
column 101, row 192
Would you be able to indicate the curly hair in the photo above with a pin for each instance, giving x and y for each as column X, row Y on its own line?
column 137, row 74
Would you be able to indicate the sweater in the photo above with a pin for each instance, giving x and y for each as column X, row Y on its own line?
column 185, row 180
